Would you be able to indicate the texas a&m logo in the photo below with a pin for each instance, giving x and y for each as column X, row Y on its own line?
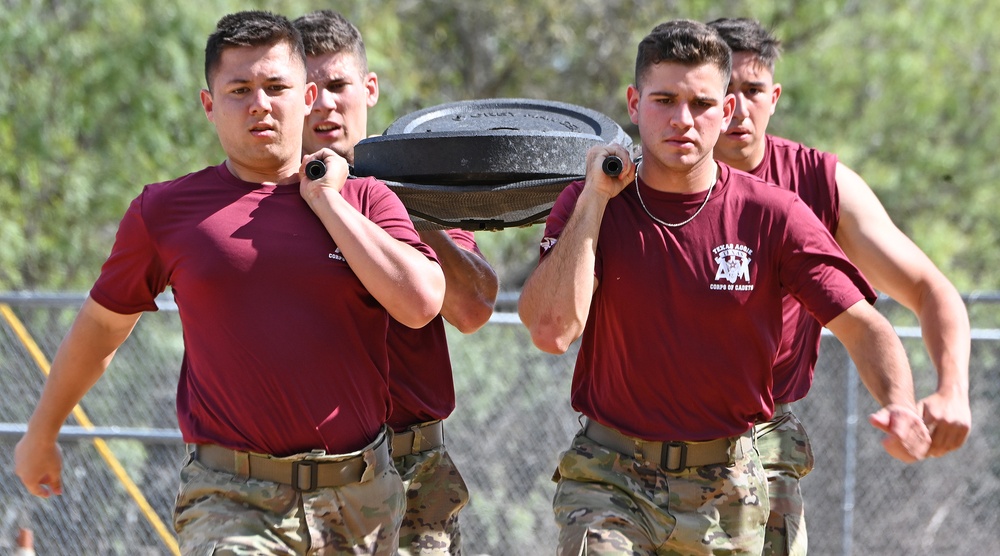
column 734, row 267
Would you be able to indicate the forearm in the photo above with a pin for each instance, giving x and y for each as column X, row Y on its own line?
column 555, row 301
column 80, row 361
column 404, row 281
column 877, row 353
column 470, row 283
column 944, row 325
column 882, row 364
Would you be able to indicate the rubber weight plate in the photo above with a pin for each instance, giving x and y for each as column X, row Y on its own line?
column 489, row 141
column 514, row 114
column 477, row 157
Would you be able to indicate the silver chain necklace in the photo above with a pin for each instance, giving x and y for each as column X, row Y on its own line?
column 668, row 224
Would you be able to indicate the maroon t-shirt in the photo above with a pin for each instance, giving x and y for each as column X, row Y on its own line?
column 285, row 349
column 685, row 323
column 420, row 376
column 811, row 174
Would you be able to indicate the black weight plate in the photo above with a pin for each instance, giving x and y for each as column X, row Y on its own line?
column 479, row 207
column 513, row 114
column 485, row 164
column 474, row 157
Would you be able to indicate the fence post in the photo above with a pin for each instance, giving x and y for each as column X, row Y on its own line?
column 850, row 456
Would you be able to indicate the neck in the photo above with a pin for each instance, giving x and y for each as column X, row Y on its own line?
column 693, row 180
column 287, row 174
column 749, row 162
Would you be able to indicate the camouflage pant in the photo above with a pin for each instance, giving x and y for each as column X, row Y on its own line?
column 607, row 503
column 786, row 454
column 218, row 513
column 435, row 493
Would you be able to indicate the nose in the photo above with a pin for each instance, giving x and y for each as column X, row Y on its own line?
column 261, row 102
column 682, row 116
column 742, row 110
column 325, row 100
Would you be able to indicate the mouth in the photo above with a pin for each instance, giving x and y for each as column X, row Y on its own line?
column 680, row 142
column 261, row 129
column 326, row 128
column 739, row 134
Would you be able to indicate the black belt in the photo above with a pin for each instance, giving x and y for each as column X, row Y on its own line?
column 672, row 456
column 304, row 472
column 418, row 438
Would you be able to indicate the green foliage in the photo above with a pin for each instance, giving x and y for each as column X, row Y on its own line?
column 101, row 97
column 86, row 122
column 900, row 91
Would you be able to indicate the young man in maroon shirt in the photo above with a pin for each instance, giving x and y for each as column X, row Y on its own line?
column 285, row 287
column 673, row 273
column 894, row 264
column 420, row 373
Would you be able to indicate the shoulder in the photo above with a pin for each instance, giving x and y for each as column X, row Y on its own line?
column 786, row 149
column 374, row 199
column 574, row 189
column 366, row 189
column 744, row 189
column 733, row 177
column 568, row 196
column 165, row 191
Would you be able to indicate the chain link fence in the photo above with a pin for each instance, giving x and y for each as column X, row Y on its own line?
column 122, row 451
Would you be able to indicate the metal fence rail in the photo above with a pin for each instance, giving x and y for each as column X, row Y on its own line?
column 512, row 421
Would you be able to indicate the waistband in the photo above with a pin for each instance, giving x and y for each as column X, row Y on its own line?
column 781, row 409
column 418, row 438
column 303, row 472
column 672, row 456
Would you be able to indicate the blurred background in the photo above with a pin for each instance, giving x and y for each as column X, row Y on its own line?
column 100, row 97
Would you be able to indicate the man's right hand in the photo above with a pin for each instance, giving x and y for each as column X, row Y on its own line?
column 39, row 466
column 602, row 183
column 907, row 438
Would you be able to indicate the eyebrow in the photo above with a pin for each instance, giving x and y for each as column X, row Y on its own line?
column 339, row 77
column 270, row 79
column 672, row 95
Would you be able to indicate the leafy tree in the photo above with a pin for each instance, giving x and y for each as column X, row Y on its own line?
column 102, row 98
column 902, row 92
column 95, row 103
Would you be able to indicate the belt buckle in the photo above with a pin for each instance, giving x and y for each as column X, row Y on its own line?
column 313, row 474
column 666, row 453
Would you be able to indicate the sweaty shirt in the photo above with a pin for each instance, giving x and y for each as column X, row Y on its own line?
column 284, row 347
column 810, row 174
column 685, row 324
column 420, row 375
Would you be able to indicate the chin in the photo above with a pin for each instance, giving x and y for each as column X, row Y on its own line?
column 736, row 155
column 310, row 148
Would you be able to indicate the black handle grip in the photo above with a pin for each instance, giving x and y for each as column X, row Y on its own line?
column 315, row 169
column 613, row 166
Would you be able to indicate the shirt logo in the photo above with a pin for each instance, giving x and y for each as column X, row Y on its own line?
column 734, row 266
column 336, row 255
column 548, row 243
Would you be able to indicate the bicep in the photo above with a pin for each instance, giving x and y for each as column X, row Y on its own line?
column 116, row 326
column 871, row 240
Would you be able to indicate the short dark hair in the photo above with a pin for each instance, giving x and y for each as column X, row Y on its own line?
column 686, row 42
column 250, row 29
column 326, row 31
column 748, row 35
